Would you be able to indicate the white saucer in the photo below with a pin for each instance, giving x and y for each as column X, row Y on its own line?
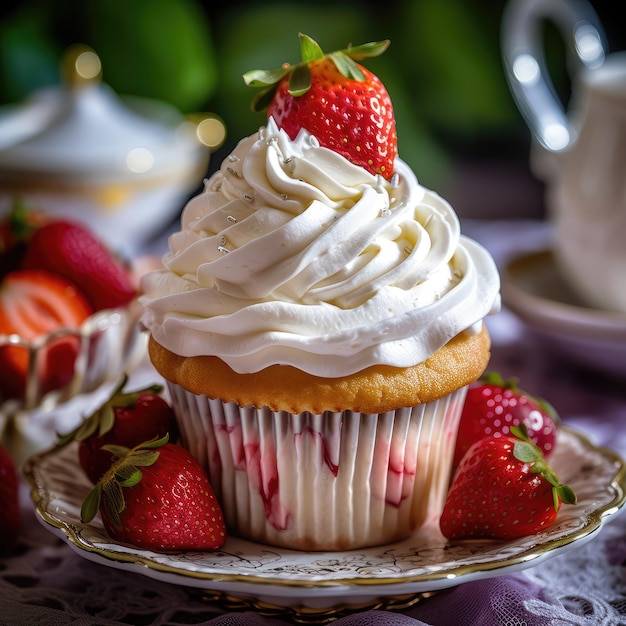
column 533, row 289
column 270, row 580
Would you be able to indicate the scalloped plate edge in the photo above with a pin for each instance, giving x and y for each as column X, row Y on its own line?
column 275, row 591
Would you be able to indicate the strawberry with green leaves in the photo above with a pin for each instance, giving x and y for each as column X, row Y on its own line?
column 493, row 405
column 503, row 489
column 341, row 103
column 157, row 497
column 125, row 418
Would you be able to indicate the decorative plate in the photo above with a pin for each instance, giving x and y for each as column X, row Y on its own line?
column 310, row 584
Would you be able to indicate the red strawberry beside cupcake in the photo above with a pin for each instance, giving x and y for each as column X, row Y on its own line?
column 503, row 487
column 149, row 491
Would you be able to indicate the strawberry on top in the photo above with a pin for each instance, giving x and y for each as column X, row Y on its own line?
column 341, row 103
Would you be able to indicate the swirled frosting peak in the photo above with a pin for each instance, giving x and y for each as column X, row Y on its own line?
column 292, row 255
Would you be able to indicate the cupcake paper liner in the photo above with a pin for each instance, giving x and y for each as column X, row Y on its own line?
column 329, row 481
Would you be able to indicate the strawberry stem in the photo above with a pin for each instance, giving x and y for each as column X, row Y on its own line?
column 526, row 451
column 309, row 49
column 347, row 66
column 19, row 224
column 300, row 79
column 124, row 472
column 103, row 418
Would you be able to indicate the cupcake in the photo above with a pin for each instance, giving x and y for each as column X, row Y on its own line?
column 318, row 319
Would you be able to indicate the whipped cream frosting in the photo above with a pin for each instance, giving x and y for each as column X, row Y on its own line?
column 292, row 255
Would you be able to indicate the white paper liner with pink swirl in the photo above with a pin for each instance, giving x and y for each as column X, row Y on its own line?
column 332, row 481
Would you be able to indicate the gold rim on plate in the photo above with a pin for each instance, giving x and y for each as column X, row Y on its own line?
column 313, row 587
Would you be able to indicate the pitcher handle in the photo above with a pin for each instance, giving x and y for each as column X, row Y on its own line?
column 525, row 65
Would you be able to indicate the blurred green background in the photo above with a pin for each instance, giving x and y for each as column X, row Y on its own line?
column 458, row 126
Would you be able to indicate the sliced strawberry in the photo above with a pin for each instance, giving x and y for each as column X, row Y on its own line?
column 34, row 303
column 125, row 419
column 341, row 103
column 167, row 505
column 72, row 251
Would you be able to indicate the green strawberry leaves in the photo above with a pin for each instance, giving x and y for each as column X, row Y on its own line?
column 19, row 225
column 309, row 48
column 123, row 473
column 300, row 79
column 264, row 78
column 103, row 418
column 347, row 66
column 91, row 504
column 526, row 451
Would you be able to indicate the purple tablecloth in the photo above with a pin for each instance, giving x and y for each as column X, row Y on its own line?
column 46, row 582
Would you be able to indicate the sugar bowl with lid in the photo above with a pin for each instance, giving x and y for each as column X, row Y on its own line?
column 125, row 166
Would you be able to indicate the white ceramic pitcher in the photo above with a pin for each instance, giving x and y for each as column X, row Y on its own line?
column 579, row 152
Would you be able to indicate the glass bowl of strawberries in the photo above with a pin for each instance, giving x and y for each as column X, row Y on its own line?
column 69, row 314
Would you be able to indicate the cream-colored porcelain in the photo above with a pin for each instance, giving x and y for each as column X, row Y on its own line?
column 580, row 152
column 124, row 166
column 532, row 288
